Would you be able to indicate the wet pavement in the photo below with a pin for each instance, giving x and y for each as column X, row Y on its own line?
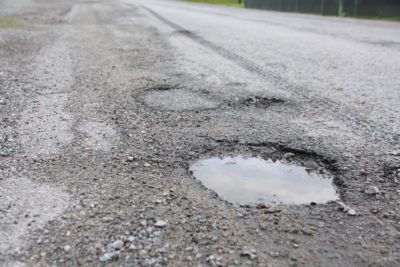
column 105, row 106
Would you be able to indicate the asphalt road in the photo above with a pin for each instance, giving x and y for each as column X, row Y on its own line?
column 104, row 105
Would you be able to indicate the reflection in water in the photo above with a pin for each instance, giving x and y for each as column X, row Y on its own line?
column 250, row 180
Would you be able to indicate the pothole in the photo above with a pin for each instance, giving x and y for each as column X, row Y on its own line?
column 258, row 102
column 162, row 87
column 176, row 99
column 253, row 180
column 261, row 102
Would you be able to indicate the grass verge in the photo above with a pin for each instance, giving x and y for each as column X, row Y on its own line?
column 396, row 19
column 219, row 2
column 10, row 23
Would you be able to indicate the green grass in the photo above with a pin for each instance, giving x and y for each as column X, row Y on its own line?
column 219, row 2
column 10, row 23
column 396, row 19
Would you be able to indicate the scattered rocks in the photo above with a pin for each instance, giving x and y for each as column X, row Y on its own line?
column 127, row 189
column 347, row 209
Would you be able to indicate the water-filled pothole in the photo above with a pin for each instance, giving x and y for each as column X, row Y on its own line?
column 253, row 180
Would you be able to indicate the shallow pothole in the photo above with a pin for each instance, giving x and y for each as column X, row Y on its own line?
column 253, row 180
column 261, row 102
column 176, row 99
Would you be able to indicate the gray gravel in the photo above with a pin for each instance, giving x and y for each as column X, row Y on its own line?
column 105, row 104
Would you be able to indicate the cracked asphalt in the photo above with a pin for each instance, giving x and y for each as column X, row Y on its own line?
column 104, row 105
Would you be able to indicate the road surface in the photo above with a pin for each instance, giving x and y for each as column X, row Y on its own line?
column 104, row 105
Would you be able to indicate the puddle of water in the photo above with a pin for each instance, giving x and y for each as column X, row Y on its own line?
column 251, row 180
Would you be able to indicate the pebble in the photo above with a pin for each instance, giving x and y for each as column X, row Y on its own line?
column 343, row 206
column 109, row 256
column 157, row 234
column 395, row 153
column 117, row 244
column 160, row 224
column 288, row 155
column 372, row 190
column 273, row 209
column 250, row 254
column 351, row 212
column 67, row 248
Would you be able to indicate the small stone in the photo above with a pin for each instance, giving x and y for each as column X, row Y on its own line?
column 248, row 254
column 67, row 248
column 261, row 206
column 372, row 190
column 395, row 153
column 211, row 260
column 157, row 234
column 130, row 158
column 109, row 256
column 117, row 244
column 311, row 165
column 343, row 206
column 264, row 225
column 146, row 164
column 160, row 224
column 131, row 238
column 273, row 209
column 288, row 155
column 351, row 212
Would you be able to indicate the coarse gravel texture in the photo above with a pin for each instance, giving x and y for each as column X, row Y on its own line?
column 105, row 104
